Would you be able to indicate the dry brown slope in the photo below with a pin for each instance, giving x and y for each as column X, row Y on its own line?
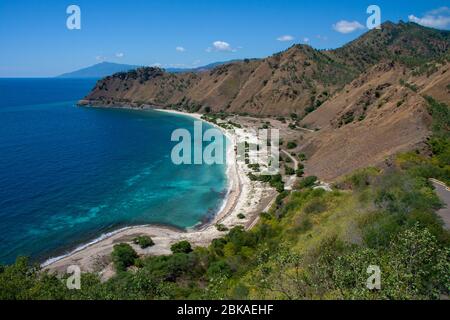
column 376, row 116
column 286, row 82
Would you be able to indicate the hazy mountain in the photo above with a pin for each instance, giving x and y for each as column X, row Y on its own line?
column 99, row 70
column 105, row 69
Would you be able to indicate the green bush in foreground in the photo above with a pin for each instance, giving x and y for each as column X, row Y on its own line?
column 123, row 256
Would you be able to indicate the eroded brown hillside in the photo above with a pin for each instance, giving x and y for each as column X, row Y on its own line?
column 364, row 101
column 377, row 115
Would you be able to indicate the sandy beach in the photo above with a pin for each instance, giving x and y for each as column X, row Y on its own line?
column 244, row 196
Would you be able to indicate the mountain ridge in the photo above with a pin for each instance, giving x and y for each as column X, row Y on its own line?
column 364, row 102
column 297, row 80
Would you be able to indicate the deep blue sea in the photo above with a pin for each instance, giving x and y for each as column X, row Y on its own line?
column 70, row 174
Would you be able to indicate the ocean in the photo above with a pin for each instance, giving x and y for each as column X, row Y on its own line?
column 70, row 174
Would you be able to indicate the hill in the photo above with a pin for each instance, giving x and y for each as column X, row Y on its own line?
column 365, row 101
column 99, row 70
column 298, row 80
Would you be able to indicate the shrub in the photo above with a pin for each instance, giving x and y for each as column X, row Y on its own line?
column 291, row 145
column 315, row 206
column 219, row 269
column 181, row 247
column 307, row 182
column 123, row 256
column 289, row 171
column 221, row 228
column 144, row 241
column 241, row 216
column 299, row 173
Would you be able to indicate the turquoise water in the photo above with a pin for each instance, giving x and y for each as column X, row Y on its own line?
column 69, row 174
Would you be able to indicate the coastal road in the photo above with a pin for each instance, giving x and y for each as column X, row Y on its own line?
column 444, row 194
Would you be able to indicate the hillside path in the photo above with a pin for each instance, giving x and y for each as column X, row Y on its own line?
column 444, row 194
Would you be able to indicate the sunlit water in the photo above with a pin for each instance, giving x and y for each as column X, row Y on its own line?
column 69, row 174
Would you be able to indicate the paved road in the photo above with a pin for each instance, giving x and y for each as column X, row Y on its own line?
column 444, row 194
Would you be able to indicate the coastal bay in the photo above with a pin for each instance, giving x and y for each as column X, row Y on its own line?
column 244, row 196
column 74, row 175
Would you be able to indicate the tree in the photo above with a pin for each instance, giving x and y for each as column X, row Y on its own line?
column 307, row 182
column 123, row 256
column 181, row 247
column 292, row 145
column 144, row 241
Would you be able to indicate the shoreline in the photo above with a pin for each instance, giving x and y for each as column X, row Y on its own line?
column 94, row 255
column 197, row 227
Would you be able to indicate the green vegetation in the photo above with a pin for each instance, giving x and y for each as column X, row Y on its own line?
column 410, row 86
column 347, row 118
column 181, row 247
column 123, row 256
column 291, row 145
column 254, row 166
column 221, row 228
column 307, row 182
column 300, row 172
column 289, row 171
column 275, row 181
column 144, row 241
column 311, row 244
column 241, row 216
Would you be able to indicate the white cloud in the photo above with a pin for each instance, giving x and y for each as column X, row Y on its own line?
column 306, row 40
column 285, row 38
column 345, row 26
column 221, row 46
column 180, row 49
column 100, row 58
column 323, row 38
column 120, row 55
column 437, row 18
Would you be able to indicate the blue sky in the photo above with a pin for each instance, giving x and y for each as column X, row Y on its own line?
column 36, row 42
